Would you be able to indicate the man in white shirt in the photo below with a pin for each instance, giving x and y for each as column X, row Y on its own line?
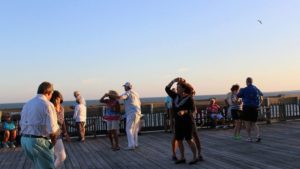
column 77, row 94
column 39, row 123
column 132, row 105
column 80, row 118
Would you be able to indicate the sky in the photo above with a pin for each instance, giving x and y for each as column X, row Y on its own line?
column 94, row 46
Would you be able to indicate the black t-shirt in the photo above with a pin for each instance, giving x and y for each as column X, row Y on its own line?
column 181, row 103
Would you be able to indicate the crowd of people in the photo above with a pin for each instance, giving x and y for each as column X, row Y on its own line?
column 43, row 126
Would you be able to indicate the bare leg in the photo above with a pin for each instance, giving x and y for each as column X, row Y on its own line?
column 109, row 135
column 181, row 149
column 248, row 129
column 115, row 138
column 13, row 135
column 238, row 127
column 83, row 131
column 197, row 142
column 216, row 122
column 258, row 137
column 6, row 136
column 193, row 148
column 174, row 146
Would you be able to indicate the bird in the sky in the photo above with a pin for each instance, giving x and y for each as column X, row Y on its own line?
column 259, row 21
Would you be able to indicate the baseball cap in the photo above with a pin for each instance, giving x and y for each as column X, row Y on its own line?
column 128, row 84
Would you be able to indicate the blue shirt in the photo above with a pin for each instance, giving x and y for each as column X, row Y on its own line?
column 168, row 102
column 9, row 126
column 250, row 96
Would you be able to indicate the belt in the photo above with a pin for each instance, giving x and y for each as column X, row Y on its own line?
column 33, row 136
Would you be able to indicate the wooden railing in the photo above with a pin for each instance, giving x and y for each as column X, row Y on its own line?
column 155, row 118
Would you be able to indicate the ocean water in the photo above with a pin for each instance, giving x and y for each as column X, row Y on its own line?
column 95, row 102
column 150, row 99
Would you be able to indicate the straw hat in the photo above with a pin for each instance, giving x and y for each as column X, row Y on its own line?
column 113, row 93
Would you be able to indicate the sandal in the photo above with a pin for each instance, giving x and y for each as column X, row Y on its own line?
column 116, row 149
column 200, row 158
column 180, row 161
column 193, row 161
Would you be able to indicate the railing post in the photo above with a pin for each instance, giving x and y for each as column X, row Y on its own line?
column 282, row 112
column 94, row 127
column 268, row 115
column 151, row 108
column 298, row 113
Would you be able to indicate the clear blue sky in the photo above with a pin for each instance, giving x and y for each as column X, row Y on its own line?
column 94, row 45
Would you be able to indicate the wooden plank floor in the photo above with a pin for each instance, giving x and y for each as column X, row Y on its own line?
column 280, row 148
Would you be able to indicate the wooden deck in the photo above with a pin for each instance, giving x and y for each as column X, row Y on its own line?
column 280, row 148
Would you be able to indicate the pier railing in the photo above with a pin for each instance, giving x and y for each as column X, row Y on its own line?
column 155, row 118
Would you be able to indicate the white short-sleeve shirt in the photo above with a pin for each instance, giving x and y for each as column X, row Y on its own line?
column 38, row 117
column 80, row 113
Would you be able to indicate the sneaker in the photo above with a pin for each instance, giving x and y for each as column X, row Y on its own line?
column 11, row 145
column 249, row 140
column 237, row 137
column 258, row 140
column 225, row 127
column 5, row 145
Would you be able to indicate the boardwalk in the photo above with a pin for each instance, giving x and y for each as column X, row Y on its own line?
column 280, row 148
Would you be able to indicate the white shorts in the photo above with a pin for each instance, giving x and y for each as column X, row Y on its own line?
column 113, row 125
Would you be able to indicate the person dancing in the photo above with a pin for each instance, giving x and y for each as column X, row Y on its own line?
column 183, row 111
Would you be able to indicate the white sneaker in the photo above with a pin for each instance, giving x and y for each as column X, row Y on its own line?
column 249, row 140
column 5, row 145
column 12, row 145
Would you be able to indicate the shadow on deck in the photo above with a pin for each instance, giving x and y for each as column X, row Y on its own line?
column 280, row 148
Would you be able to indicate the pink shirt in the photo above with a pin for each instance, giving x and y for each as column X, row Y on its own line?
column 213, row 108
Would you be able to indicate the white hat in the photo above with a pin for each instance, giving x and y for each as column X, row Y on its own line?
column 127, row 84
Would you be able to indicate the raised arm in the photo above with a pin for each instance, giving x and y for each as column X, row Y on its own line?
column 168, row 90
column 102, row 100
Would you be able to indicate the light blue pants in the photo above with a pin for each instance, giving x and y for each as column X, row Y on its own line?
column 39, row 151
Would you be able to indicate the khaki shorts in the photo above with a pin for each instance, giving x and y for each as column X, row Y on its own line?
column 113, row 125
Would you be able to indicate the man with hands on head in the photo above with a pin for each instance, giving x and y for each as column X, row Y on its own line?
column 133, row 114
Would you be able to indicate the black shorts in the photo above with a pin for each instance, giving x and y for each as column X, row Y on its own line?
column 236, row 114
column 250, row 113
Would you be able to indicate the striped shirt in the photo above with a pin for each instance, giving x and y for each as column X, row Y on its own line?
column 236, row 102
